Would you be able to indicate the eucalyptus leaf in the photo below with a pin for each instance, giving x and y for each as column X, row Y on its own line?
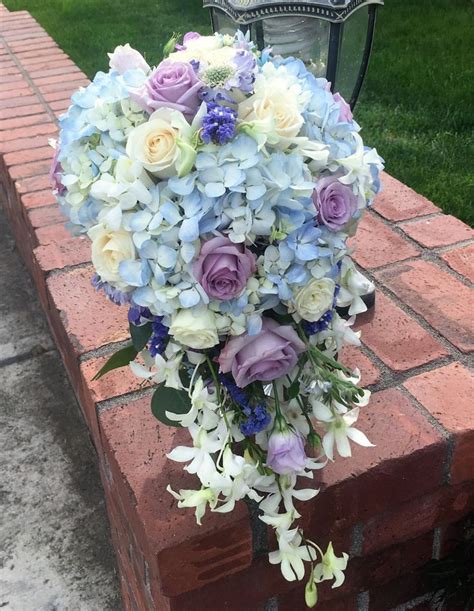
column 140, row 335
column 121, row 358
column 167, row 399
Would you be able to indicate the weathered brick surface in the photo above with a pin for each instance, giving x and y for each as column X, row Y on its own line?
column 391, row 334
column 442, row 300
column 376, row 244
column 447, row 393
column 461, row 260
column 384, row 503
column 440, row 230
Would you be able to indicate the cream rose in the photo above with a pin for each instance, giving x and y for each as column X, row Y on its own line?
column 315, row 299
column 195, row 328
column 274, row 109
column 109, row 249
column 159, row 144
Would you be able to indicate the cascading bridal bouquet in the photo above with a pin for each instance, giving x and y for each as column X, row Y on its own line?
column 219, row 190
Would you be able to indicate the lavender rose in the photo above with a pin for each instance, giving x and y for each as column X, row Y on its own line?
column 270, row 354
column 335, row 203
column 223, row 268
column 285, row 452
column 345, row 113
column 173, row 85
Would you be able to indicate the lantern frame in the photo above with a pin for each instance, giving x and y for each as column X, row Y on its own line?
column 245, row 13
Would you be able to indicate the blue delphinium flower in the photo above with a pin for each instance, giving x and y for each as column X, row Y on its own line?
column 159, row 337
column 218, row 125
column 256, row 417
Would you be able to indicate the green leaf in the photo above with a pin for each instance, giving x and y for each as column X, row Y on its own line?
column 292, row 391
column 140, row 335
column 121, row 358
column 167, row 399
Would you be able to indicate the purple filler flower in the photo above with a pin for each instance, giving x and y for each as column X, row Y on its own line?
column 173, row 85
column 335, row 203
column 223, row 268
column 285, row 453
column 270, row 354
column 218, row 125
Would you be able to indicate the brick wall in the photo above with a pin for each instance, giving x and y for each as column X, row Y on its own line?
column 393, row 507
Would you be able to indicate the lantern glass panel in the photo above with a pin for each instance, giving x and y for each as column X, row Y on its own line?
column 303, row 37
column 222, row 23
column 351, row 53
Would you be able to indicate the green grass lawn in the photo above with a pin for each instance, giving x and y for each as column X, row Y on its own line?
column 417, row 105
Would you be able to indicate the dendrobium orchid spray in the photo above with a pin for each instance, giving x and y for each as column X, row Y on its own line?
column 219, row 189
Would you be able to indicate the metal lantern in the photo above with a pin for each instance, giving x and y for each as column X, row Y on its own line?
column 333, row 37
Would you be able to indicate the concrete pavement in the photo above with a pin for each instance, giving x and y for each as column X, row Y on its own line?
column 55, row 549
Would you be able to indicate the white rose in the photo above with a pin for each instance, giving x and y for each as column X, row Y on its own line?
column 126, row 58
column 274, row 109
column 195, row 328
column 315, row 299
column 160, row 145
column 109, row 249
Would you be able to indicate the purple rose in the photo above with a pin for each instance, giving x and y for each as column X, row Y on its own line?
column 345, row 112
column 285, row 453
column 173, row 85
column 187, row 37
column 223, row 268
column 270, row 354
column 55, row 174
column 335, row 203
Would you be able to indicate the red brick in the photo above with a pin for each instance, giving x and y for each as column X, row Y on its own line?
column 48, row 54
column 52, row 234
column 19, row 101
column 398, row 340
column 38, row 199
column 399, row 591
column 70, row 86
column 18, row 122
column 67, row 67
column 440, row 230
column 417, row 516
column 376, row 244
column 90, row 320
column 21, row 89
column 60, row 106
column 37, row 168
column 436, row 295
column 398, row 202
column 10, row 83
column 60, row 78
column 406, row 462
column 116, row 383
column 27, row 155
column 25, row 144
column 136, row 446
column 44, row 127
column 21, row 46
column 353, row 357
column 61, row 254
column 461, row 260
column 50, row 60
column 447, row 394
column 58, row 95
column 20, row 111
column 41, row 217
column 33, row 183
